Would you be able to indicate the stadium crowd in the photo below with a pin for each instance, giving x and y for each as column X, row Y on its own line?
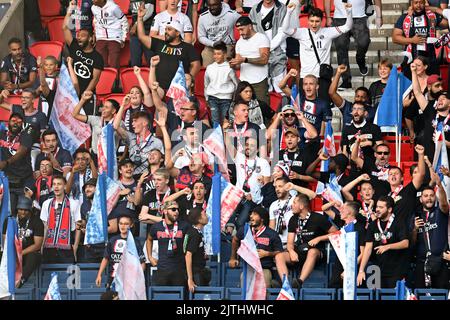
column 249, row 49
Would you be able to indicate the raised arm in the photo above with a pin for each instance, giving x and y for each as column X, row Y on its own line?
column 146, row 40
column 66, row 30
column 441, row 195
column 346, row 190
column 156, row 91
column 72, row 75
column 420, row 98
column 332, row 91
column 283, row 83
column 118, row 118
column 311, row 131
column 175, row 196
column 290, row 186
column 418, row 179
column 355, row 154
column 3, row 104
column 87, row 95
column 286, row 26
column 148, row 101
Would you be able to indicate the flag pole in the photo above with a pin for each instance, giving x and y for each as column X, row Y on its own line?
column 244, row 270
column 397, row 133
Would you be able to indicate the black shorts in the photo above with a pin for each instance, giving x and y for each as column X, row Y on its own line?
column 292, row 48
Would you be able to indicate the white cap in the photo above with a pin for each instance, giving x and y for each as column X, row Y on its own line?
column 176, row 25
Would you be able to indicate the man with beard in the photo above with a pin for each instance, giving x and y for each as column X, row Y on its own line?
column 214, row 26
column 429, row 237
column 195, row 196
column 43, row 185
column 361, row 95
column 83, row 169
column 413, row 31
column 87, row 62
column 268, row 243
column 369, row 134
column 18, row 70
column 170, row 234
column 15, row 146
column 387, row 237
column 377, row 170
column 434, row 114
column 171, row 51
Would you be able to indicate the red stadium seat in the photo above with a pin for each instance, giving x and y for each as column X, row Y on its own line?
column 106, row 82
column 203, row 112
column 115, row 96
column 55, row 29
column 275, row 101
column 125, row 55
column 49, row 8
column 304, row 21
column 199, row 88
column 321, row 5
column 4, row 115
column 46, row 48
column 124, row 5
column 236, row 34
column 444, row 75
column 129, row 80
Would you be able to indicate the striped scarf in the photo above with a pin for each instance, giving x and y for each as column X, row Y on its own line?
column 408, row 23
column 58, row 234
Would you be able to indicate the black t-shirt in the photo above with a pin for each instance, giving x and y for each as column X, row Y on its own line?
column 45, row 104
column 392, row 262
column 133, row 10
column 186, row 205
column 195, row 243
column 376, row 174
column 317, row 225
column 20, row 170
column 170, row 55
column 269, row 241
column 172, row 260
column 405, row 203
column 420, row 27
column 62, row 156
column 252, row 130
column 19, row 73
column 84, row 64
column 376, row 90
column 436, row 225
column 123, row 206
column 151, row 201
column 114, row 250
column 429, row 124
column 38, row 121
column 298, row 162
column 370, row 130
column 28, row 229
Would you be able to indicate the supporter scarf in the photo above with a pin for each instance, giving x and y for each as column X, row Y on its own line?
column 408, row 23
column 257, row 234
column 395, row 193
column 43, row 186
column 384, row 232
column 58, row 233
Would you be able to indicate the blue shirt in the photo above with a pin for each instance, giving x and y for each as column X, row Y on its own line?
column 315, row 111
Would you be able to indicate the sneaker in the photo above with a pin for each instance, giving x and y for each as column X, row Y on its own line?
column 345, row 85
column 297, row 283
column 363, row 69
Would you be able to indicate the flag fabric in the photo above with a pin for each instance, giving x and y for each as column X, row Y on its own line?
column 350, row 266
column 255, row 285
column 129, row 280
column 216, row 230
column 330, row 192
column 107, row 160
column 337, row 241
column 295, row 98
column 6, row 204
column 11, row 264
column 53, row 289
column 230, row 198
column 71, row 132
column 286, row 291
column 329, row 148
column 403, row 292
column 389, row 111
column 107, row 193
column 178, row 89
column 216, row 146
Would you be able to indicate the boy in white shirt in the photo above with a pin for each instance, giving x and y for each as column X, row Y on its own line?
column 220, row 84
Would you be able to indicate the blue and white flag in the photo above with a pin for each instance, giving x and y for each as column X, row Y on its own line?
column 11, row 264
column 106, row 195
column 71, row 132
column 403, row 292
column 351, row 262
column 53, row 289
column 129, row 280
column 286, row 290
column 6, row 204
column 107, row 160
column 178, row 90
column 329, row 148
column 295, row 98
column 389, row 111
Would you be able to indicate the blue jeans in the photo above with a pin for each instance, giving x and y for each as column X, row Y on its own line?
column 219, row 108
column 136, row 49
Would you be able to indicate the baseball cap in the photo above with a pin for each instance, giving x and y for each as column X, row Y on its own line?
column 433, row 78
column 243, row 21
column 287, row 107
column 445, row 93
column 90, row 182
column 284, row 167
column 292, row 130
column 125, row 161
column 176, row 25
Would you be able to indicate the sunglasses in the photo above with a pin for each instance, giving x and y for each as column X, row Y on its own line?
column 184, row 109
column 383, row 153
column 173, row 209
column 290, row 114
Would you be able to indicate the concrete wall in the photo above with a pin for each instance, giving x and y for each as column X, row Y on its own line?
column 11, row 25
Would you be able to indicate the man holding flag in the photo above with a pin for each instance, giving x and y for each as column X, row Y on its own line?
column 115, row 249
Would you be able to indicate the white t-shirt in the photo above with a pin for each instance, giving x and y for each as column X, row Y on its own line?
column 162, row 18
column 250, row 3
column 108, row 22
column 264, row 12
column 255, row 170
column 358, row 9
column 278, row 206
column 249, row 48
column 75, row 214
column 295, row 21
